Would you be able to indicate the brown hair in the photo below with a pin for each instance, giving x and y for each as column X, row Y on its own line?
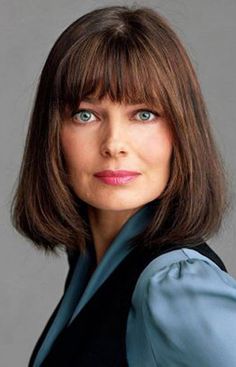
column 130, row 54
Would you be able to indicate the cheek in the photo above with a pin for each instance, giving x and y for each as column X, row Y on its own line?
column 156, row 148
column 74, row 149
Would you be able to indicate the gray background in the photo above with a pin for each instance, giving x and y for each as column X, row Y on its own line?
column 31, row 283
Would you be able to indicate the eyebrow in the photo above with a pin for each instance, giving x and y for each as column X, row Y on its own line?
column 96, row 101
column 91, row 100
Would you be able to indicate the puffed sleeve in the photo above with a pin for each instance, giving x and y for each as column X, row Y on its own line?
column 185, row 316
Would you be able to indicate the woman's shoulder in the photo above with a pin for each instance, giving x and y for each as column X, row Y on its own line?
column 183, row 276
column 178, row 266
column 183, row 301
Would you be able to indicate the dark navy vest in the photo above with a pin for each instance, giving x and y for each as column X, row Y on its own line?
column 96, row 337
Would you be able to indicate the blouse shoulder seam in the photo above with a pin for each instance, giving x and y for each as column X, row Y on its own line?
column 165, row 261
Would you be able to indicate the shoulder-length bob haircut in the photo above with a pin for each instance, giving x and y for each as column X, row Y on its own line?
column 132, row 55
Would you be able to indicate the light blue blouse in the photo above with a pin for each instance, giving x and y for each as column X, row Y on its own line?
column 183, row 310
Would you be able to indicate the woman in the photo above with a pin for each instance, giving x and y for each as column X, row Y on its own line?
column 121, row 171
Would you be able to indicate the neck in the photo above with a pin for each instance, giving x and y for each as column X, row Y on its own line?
column 105, row 225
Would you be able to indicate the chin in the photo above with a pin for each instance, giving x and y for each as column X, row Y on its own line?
column 116, row 205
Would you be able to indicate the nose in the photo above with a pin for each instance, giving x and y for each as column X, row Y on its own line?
column 113, row 140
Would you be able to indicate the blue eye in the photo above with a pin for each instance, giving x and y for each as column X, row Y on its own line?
column 84, row 116
column 146, row 114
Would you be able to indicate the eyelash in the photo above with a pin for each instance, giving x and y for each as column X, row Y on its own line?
column 156, row 114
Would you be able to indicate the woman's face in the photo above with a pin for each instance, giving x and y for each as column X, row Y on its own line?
column 112, row 136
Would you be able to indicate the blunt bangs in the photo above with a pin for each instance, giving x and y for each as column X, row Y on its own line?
column 114, row 67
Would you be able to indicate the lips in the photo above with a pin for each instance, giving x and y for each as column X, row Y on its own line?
column 116, row 173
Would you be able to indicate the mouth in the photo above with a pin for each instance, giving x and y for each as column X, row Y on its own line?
column 116, row 173
column 116, row 177
column 116, row 180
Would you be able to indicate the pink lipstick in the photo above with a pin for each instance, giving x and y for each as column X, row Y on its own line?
column 118, row 177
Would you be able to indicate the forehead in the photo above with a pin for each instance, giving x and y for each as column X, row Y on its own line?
column 130, row 78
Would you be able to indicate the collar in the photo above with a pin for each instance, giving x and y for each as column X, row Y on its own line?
column 117, row 251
